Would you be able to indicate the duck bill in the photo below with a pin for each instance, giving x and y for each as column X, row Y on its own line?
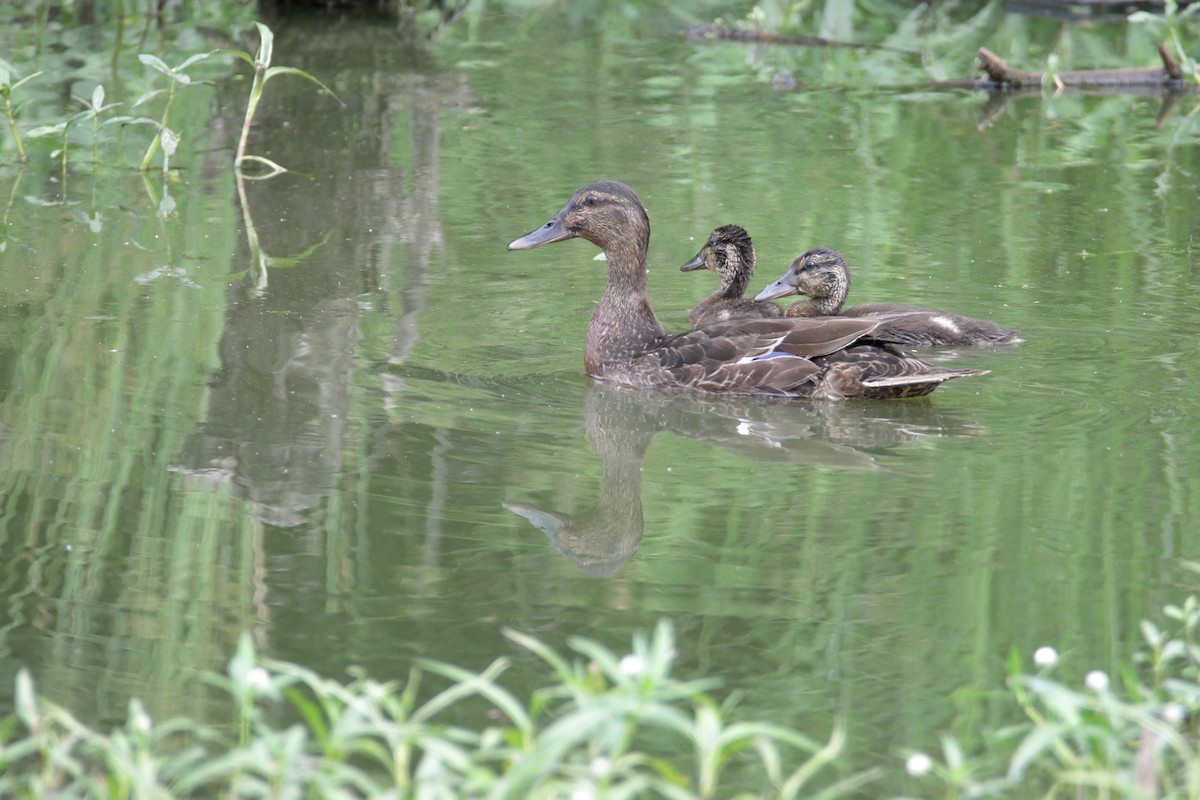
column 780, row 288
column 553, row 231
column 696, row 263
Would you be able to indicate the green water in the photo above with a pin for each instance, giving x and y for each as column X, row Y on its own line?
column 340, row 443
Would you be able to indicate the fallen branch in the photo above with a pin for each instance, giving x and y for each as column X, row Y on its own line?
column 716, row 33
column 1000, row 73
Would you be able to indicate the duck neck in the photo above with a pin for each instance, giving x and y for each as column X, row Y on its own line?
column 734, row 287
column 623, row 324
column 815, row 307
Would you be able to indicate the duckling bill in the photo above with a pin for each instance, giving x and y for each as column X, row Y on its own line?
column 824, row 358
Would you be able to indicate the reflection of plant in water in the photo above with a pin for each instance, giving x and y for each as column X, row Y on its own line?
column 260, row 261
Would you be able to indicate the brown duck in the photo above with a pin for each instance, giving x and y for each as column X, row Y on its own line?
column 828, row 358
column 823, row 275
column 729, row 252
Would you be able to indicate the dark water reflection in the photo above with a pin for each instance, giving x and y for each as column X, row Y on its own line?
column 368, row 438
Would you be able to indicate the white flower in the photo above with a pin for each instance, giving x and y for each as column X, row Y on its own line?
column 258, row 678
column 632, row 666
column 918, row 764
column 601, row 766
column 1173, row 713
column 584, row 793
column 1096, row 680
column 1045, row 657
column 142, row 723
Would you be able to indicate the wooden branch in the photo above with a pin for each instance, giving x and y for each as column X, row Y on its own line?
column 1000, row 73
column 716, row 33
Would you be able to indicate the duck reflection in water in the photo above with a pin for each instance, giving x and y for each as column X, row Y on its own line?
column 621, row 423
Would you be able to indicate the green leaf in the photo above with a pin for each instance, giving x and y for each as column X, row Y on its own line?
column 243, row 658
column 195, row 58
column 556, row 662
column 46, row 130
column 1032, row 747
column 249, row 59
column 147, row 96
column 266, row 44
column 26, row 79
column 170, row 140
column 155, row 62
column 273, row 71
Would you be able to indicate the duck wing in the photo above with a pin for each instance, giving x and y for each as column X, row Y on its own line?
column 880, row 371
column 915, row 326
column 753, row 356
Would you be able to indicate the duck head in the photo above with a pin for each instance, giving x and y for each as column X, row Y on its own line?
column 820, row 273
column 606, row 213
column 728, row 252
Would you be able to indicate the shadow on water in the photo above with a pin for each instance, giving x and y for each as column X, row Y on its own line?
column 621, row 423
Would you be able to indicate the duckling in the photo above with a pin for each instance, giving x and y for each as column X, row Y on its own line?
column 823, row 275
column 825, row 358
column 729, row 253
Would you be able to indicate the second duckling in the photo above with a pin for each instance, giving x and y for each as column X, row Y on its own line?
column 729, row 252
column 824, row 277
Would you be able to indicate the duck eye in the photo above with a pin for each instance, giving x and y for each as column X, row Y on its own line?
column 591, row 200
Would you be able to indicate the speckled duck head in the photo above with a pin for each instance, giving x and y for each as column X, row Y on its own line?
column 729, row 253
column 821, row 274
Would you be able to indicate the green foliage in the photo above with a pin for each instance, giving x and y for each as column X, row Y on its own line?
column 1169, row 25
column 263, row 72
column 610, row 726
column 7, row 86
column 177, row 79
column 1134, row 740
column 165, row 137
column 607, row 726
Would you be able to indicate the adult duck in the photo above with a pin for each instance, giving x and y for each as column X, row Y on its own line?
column 729, row 252
column 824, row 277
column 830, row 357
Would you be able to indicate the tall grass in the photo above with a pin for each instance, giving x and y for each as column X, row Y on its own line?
column 607, row 725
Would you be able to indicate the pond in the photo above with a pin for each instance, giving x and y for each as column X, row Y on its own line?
column 338, row 414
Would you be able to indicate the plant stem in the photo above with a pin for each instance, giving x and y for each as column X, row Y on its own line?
column 12, row 125
column 153, row 148
column 256, row 90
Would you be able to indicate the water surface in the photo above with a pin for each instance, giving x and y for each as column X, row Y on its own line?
column 372, row 439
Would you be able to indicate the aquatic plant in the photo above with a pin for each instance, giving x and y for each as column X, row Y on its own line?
column 263, row 72
column 1134, row 738
column 1168, row 24
column 7, row 87
column 610, row 725
column 93, row 107
column 177, row 79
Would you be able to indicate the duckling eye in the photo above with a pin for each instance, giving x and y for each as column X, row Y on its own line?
column 591, row 200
